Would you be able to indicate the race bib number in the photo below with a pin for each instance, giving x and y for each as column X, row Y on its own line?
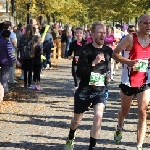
column 97, row 79
column 141, row 66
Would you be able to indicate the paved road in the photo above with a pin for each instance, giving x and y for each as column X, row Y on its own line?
column 43, row 124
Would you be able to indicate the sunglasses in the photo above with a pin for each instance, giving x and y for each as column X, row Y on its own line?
column 131, row 30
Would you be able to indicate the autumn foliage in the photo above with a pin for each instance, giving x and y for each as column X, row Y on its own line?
column 84, row 11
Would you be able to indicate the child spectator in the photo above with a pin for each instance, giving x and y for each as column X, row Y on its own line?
column 36, row 53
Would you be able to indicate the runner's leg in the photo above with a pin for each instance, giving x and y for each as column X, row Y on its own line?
column 125, row 107
column 98, row 114
column 143, row 99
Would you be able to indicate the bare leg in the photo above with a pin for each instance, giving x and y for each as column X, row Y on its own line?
column 76, row 120
column 143, row 101
column 98, row 114
column 125, row 107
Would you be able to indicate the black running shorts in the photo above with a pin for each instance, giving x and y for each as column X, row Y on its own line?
column 83, row 98
column 129, row 91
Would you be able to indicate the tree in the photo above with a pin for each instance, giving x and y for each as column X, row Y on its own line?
column 86, row 11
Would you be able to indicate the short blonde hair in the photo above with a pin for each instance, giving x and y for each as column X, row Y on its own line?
column 95, row 24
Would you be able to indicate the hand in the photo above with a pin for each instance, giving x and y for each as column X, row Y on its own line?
column 98, row 59
column 70, row 57
column 132, row 63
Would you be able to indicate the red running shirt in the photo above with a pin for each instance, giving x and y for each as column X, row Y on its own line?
column 138, row 78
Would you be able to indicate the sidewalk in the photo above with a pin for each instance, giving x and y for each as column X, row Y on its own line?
column 43, row 124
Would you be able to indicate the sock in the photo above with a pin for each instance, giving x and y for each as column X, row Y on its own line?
column 92, row 143
column 71, row 134
column 119, row 128
column 139, row 146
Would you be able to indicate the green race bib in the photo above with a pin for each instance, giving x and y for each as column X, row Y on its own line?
column 97, row 79
column 141, row 66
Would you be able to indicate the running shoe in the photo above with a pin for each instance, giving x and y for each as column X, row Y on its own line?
column 38, row 88
column 69, row 145
column 117, row 136
column 30, row 86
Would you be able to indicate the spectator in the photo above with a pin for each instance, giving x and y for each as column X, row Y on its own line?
column 57, row 39
column 13, row 40
column 6, row 58
column 69, row 36
column 37, row 52
column 47, row 45
column 88, row 38
column 64, row 41
column 25, row 49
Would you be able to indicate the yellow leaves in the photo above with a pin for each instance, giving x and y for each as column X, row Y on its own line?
column 86, row 10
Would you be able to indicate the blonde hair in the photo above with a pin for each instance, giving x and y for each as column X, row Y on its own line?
column 95, row 24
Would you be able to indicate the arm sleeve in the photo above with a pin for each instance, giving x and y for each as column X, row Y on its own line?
column 9, row 49
column 84, row 67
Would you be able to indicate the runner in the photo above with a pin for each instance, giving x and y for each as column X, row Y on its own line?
column 93, row 65
column 75, row 47
column 134, row 77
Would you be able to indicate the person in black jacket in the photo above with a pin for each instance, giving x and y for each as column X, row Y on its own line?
column 64, row 40
column 25, row 49
column 75, row 49
column 93, row 69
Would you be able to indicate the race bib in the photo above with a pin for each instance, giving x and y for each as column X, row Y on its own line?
column 97, row 79
column 141, row 66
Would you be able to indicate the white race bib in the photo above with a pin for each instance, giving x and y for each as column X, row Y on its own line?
column 142, row 66
column 97, row 79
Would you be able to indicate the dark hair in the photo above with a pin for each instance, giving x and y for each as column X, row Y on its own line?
column 6, row 24
column 29, row 31
column 19, row 26
column 131, row 26
column 5, row 33
column 34, row 30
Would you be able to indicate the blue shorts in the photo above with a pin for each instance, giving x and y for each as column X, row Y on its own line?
column 84, row 97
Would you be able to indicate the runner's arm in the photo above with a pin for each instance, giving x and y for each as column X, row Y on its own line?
column 121, row 46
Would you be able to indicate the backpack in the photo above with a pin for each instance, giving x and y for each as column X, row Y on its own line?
column 26, row 47
column 47, row 45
